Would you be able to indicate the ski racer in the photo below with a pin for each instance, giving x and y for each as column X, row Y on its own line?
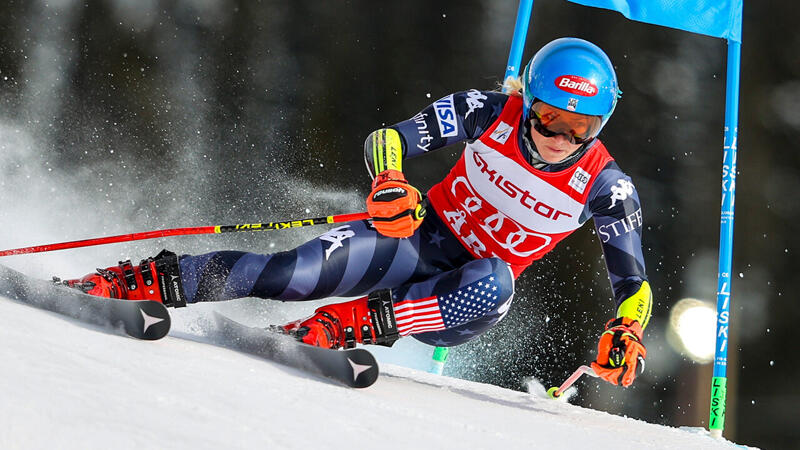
column 441, row 267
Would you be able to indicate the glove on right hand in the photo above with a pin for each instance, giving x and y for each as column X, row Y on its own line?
column 395, row 205
column 620, row 352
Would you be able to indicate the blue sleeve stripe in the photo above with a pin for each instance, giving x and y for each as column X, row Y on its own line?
column 401, row 270
column 217, row 268
column 243, row 275
column 356, row 266
column 306, row 273
column 276, row 274
column 191, row 269
column 385, row 250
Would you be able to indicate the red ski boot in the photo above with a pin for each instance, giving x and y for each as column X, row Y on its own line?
column 157, row 279
column 367, row 320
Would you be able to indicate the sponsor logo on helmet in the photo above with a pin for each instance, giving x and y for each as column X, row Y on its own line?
column 576, row 85
column 572, row 104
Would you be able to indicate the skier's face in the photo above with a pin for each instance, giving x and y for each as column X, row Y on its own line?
column 553, row 149
column 558, row 133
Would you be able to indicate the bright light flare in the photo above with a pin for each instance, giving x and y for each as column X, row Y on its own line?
column 692, row 329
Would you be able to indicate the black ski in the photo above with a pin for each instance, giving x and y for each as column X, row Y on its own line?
column 353, row 367
column 139, row 319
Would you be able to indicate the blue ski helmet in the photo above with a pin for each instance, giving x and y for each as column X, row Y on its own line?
column 574, row 75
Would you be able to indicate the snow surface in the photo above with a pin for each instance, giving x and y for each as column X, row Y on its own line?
column 67, row 385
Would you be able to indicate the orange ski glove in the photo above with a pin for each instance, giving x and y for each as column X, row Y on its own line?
column 395, row 205
column 620, row 352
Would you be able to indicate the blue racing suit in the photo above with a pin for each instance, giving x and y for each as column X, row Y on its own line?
column 354, row 260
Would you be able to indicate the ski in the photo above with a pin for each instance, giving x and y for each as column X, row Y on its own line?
column 353, row 367
column 141, row 319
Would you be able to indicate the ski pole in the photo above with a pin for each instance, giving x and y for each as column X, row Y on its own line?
column 214, row 229
column 555, row 392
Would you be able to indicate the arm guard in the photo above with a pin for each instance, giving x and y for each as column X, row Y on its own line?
column 638, row 306
column 383, row 150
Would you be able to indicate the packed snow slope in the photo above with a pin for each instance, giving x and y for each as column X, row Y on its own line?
column 67, row 385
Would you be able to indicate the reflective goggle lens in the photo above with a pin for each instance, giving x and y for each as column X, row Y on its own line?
column 550, row 121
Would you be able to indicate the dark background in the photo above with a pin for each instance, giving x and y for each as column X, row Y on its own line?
column 129, row 115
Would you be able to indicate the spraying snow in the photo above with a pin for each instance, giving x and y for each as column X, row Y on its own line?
column 536, row 388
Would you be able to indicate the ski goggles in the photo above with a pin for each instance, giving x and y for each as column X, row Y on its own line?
column 550, row 121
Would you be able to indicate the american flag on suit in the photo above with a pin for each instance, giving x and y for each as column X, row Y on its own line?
column 448, row 310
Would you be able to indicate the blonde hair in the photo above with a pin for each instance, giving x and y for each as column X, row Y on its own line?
column 512, row 86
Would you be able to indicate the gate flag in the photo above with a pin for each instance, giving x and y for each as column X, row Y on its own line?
column 721, row 19
column 718, row 18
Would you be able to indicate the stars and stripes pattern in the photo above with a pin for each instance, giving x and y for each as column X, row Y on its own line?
column 417, row 316
column 435, row 313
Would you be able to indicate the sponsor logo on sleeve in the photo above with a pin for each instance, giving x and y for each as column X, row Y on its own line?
column 579, row 180
column 446, row 116
column 620, row 192
column 474, row 101
column 425, row 137
column 625, row 225
column 501, row 132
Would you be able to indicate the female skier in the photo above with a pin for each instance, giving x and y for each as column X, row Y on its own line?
column 531, row 173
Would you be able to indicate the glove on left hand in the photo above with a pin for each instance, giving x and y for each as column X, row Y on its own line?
column 620, row 352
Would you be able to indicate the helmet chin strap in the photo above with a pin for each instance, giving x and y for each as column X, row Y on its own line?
column 533, row 155
column 536, row 160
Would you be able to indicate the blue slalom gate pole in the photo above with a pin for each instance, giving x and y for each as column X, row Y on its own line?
column 719, row 381
column 518, row 41
column 722, row 19
column 512, row 70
